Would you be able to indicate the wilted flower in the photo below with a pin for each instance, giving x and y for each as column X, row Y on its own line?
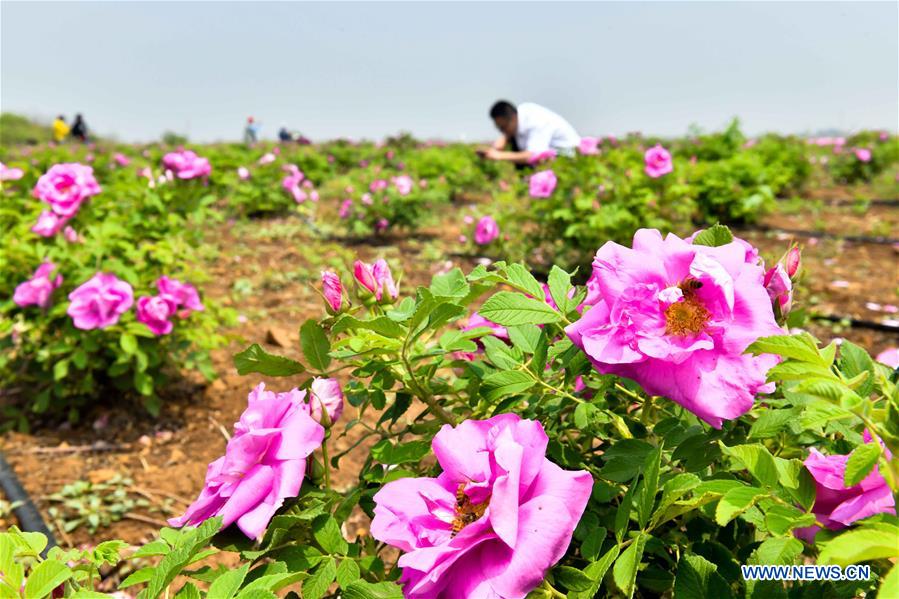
column 184, row 295
column 264, row 463
column 589, row 145
column 676, row 318
column 65, row 186
column 100, row 302
column 10, row 174
column 186, row 164
column 332, row 290
column 658, row 161
column 155, row 312
column 49, row 223
column 542, row 184
column 837, row 506
column 486, row 231
column 493, row 523
column 37, row 290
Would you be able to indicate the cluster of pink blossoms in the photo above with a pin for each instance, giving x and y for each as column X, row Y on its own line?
column 493, row 523
column 265, row 460
column 375, row 280
column 297, row 185
column 186, row 164
column 676, row 318
column 65, row 187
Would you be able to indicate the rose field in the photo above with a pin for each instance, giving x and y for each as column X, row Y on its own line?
column 394, row 369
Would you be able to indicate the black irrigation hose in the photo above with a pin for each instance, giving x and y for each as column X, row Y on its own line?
column 29, row 518
column 879, row 239
column 858, row 323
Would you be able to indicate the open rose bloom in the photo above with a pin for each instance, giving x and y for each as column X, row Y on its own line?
column 100, row 302
column 187, row 165
column 676, row 318
column 486, row 230
column 183, row 295
column 495, row 520
column 37, row 290
column 66, row 186
column 49, row 224
column 264, row 463
column 542, row 184
column 836, row 505
column 155, row 312
column 657, row 161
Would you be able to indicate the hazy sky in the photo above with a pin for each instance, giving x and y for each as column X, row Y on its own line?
column 370, row 69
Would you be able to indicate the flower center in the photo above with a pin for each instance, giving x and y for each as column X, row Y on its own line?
column 686, row 317
column 466, row 511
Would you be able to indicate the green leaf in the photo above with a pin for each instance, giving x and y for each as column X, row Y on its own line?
column 782, row 551
column 624, row 573
column 572, row 578
column 862, row 459
column 509, row 309
column 757, row 459
column 501, row 355
column 698, row 578
column 450, row 285
column 227, row 585
column 137, row 577
column 256, row 359
column 188, row 591
column 735, row 502
column 597, row 571
column 381, row 325
column 800, row 347
column 128, row 343
column 507, row 382
column 317, row 585
column 45, row 577
column 855, row 361
column 862, row 544
column 559, row 283
column 521, row 277
column 60, row 370
column 770, row 422
column 157, row 547
column 624, row 459
column 649, row 486
column 315, row 345
column 326, row 531
column 525, row 337
column 889, row 586
column 715, row 236
column 362, row 589
column 780, row 519
column 347, row 573
column 401, row 453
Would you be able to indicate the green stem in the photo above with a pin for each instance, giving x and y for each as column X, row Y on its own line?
column 326, row 460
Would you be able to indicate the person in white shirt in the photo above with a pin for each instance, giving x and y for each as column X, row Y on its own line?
column 528, row 131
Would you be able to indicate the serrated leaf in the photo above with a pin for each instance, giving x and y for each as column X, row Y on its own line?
column 624, row 572
column 326, row 531
column 715, row 236
column 450, row 285
column 735, row 502
column 800, row 347
column 770, row 422
column 698, row 578
column 861, row 544
column 854, row 361
column 362, row 589
column 509, row 309
column 45, row 577
column 256, row 359
column 862, row 459
column 757, row 459
column 507, row 382
column 572, row 578
column 227, row 584
column 347, row 572
column 317, row 584
column 315, row 345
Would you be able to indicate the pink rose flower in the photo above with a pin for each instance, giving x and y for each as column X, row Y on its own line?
column 863, row 154
column 657, row 161
column 837, row 506
column 267, row 158
column 515, row 510
column 186, row 164
column 779, row 287
column 37, row 290
column 183, row 295
column 792, row 261
column 10, row 174
column 71, row 235
column 376, row 279
column 332, row 290
column 676, row 318
column 264, row 463
column 292, row 183
column 381, row 225
column 155, row 312
column 49, row 223
column 544, row 156
column 589, row 146
column 66, row 186
column 100, row 302
column 403, row 184
column 346, row 208
column 889, row 356
column 542, row 184
column 377, row 185
column 327, row 393
column 486, row 231
column 243, row 173
column 121, row 159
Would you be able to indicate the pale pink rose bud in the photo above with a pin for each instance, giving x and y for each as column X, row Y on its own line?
column 793, row 261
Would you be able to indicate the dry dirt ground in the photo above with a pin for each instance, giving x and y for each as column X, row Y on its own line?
column 265, row 270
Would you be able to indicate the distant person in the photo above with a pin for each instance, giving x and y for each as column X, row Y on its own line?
column 251, row 131
column 284, row 134
column 60, row 129
column 528, row 131
column 79, row 129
